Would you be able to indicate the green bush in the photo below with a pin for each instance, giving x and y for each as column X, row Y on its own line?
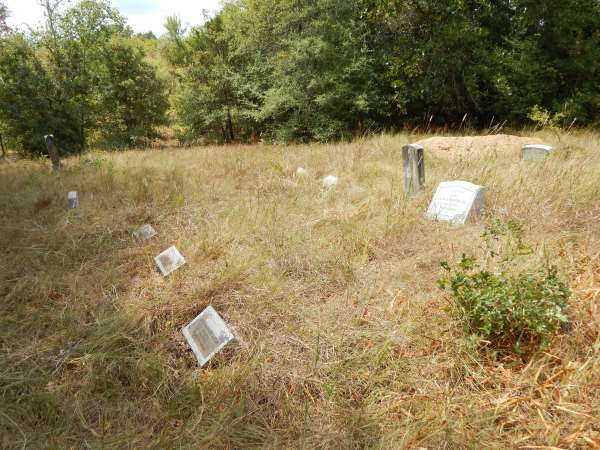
column 521, row 311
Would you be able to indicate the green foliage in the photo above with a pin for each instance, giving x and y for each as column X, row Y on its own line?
column 80, row 78
column 519, row 310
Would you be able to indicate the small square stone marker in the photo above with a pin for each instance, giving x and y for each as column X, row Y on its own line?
column 73, row 200
column 207, row 334
column 169, row 261
column 456, row 201
column 145, row 232
column 535, row 152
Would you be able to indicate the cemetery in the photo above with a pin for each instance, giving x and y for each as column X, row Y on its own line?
column 210, row 300
column 283, row 224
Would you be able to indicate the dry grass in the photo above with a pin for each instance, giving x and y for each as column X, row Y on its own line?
column 345, row 339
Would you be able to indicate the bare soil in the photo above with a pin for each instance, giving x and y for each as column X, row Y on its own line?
column 446, row 145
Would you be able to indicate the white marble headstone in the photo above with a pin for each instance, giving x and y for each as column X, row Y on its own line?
column 456, row 201
column 73, row 200
column 207, row 334
column 536, row 151
column 169, row 261
column 329, row 181
column 145, row 232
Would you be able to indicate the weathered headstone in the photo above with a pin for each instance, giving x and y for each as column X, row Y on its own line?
column 413, row 162
column 207, row 334
column 52, row 152
column 169, row 261
column 456, row 201
column 73, row 201
column 536, row 152
column 145, row 232
column 329, row 181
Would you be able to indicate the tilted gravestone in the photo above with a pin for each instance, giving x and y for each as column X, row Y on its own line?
column 413, row 162
column 145, row 232
column 169, row 261
column 52, row 152
column 535, row 152
column 456, row 202
column 73, row 201
column 207, row 334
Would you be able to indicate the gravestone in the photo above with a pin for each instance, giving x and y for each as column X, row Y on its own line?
column 413, row 162
column 329, row 181
column 52, row 152
column 456, row 202
column 207, row 334
column 301, row 172
column 145, row 232
column 73, row 201
column 535, row 152
column 169, row 261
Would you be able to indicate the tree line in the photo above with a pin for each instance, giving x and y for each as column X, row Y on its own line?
column 299, row 70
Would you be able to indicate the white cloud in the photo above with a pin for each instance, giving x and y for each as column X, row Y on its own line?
column 142, row 15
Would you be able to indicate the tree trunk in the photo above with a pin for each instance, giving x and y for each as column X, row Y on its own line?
column 230, row 126
column 2, row 147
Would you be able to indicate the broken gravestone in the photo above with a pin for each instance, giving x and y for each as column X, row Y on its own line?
column 456, row 202
column 169, row 261
column 413, row 163
column 145, row 232
column 207, row 334
column 73, row 201
column 535, row 152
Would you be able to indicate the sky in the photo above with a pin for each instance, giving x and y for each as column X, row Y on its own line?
column 143, row 15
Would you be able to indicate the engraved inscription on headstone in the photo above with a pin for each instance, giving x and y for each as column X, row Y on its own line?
column 169, row 261
column 73, row 200
column 456, row 201
column 413, row 161
column 207, row 334
column 536, row 151
column 145, row 232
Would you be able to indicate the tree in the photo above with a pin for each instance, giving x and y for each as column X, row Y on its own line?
column 83, row 79
column 3, row 16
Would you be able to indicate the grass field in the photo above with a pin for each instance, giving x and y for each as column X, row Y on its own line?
column 345, row 339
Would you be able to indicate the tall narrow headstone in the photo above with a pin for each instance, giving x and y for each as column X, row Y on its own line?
column 169, row 261
column 73, row 201
column 413, row 161
column 207, row 334
column 535, row 152
column 52, row 152
column 456, row 201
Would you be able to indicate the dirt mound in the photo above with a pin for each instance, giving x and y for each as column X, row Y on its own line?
column 476, row 144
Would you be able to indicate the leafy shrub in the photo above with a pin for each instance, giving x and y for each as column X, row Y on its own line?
column 522, row 310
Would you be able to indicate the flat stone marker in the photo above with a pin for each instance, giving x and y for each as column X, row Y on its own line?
column 536, row 152
column 207, row 334
column 145, row 232
column 329, row 181
column 413, row 162
column 456, row 202
column 169, row 261
column 72, row 199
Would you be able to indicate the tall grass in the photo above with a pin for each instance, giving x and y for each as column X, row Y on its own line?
column 345, row 341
